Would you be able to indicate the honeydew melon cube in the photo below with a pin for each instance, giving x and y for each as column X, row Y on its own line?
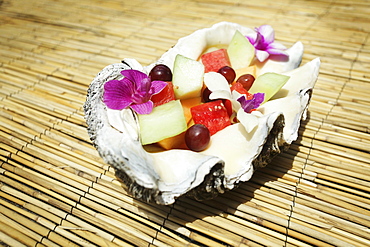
column 164, row 121
column 187, row 77
column 241, row 52
column 269, row 83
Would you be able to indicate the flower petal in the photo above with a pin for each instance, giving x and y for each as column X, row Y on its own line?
column 276, row 45
column 144, row 108
column 117, row 94
column 215, row 81
column 277, row 52
column 249, row 121
column 277, row 49
column 261, row 55
column 260, row 43
column 252, row 37
column 235, row 96
column 157, row 87
column 267, row 32
column 258, row 99
column 143, row 86
column 134, row 75
column 220, row 94
column 249, row 105
column 218, row 85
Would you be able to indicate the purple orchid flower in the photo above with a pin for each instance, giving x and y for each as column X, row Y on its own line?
column 134, row 90
column 263, row 42
column 249, row 105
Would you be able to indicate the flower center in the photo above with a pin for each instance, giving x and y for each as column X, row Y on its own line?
column 142, row 93
column 137, row 98
column 260, row 42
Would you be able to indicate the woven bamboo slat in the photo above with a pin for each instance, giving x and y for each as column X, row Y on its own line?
column 55, row 190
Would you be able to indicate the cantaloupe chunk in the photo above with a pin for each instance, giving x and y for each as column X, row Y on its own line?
column 189, row 103
column 191, row 123
column 173, row 142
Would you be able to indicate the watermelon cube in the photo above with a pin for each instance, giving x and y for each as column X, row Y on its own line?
column 212, row 114
column 215, row 60
column 166, row 95
column 229, row 106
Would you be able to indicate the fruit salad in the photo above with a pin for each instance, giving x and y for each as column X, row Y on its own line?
column 219, row 104
column 184, row 107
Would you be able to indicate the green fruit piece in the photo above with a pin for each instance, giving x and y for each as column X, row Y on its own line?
column 240, row 51
column 187, row 77
column 164, row 121
column 269, row 83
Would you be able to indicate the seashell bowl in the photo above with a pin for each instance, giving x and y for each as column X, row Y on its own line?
column 234, row 153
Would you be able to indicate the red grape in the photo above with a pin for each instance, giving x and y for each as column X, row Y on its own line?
column 197, row 137
column 160, row 72
column 246, row 80
column 228, row 73
column 205, row 95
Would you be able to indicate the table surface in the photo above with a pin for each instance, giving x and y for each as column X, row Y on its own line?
column 56, row 190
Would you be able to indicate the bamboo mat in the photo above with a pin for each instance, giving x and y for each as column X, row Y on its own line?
column 55, row 190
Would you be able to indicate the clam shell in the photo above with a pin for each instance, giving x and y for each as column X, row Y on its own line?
column 234, row 153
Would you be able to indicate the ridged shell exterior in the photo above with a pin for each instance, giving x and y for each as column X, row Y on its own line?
column 116, row 135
